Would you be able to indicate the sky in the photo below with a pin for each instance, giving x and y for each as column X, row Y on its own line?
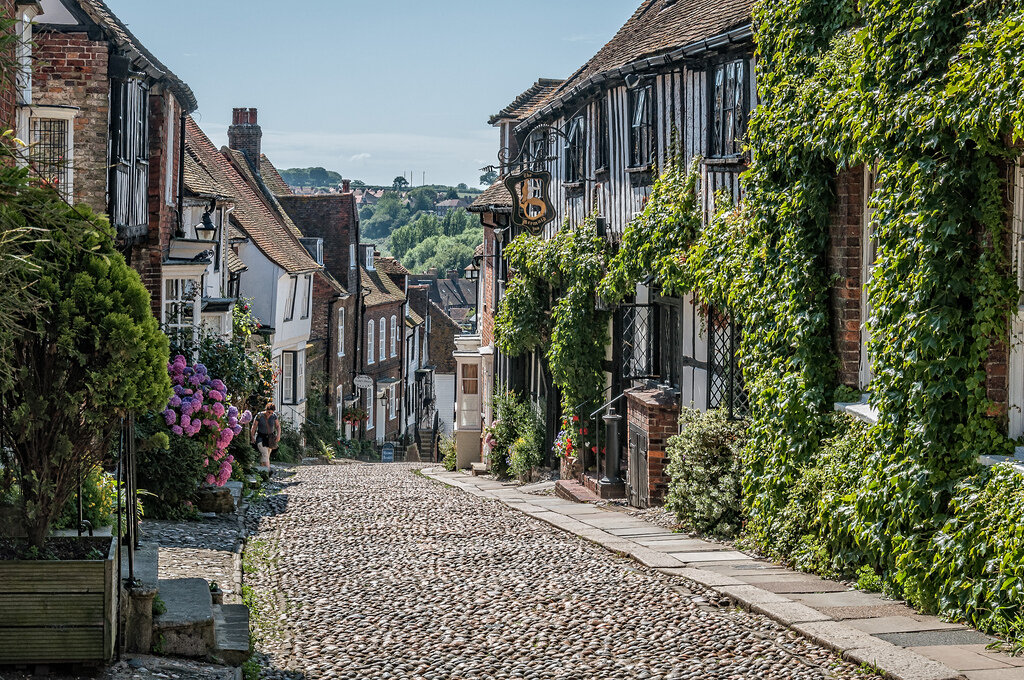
column 372, row 90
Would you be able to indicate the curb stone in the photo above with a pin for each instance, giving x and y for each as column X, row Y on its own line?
column 854, row 645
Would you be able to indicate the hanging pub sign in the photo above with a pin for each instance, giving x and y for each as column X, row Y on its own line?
column 531, row 206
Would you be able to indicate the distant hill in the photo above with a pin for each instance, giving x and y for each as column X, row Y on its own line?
column 311, row 177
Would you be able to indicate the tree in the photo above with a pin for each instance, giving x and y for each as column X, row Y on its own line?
column 452, row 195
column 90, row 355
column 388, row 215
column 489, row 178
column 400, row 183
column 462, row 187
column 318, row 177
column 422, row 198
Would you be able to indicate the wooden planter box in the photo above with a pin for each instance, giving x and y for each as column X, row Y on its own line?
column 58, row 612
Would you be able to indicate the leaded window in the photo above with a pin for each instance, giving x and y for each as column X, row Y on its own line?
column 50, row 153
column 603, row 138
column 729, row 108
column 642, row 137
column 725, row 379
column 575, row 151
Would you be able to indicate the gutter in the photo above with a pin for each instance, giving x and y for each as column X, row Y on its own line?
column 742, row 34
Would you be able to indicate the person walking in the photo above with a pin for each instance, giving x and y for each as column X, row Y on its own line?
column 266, row 434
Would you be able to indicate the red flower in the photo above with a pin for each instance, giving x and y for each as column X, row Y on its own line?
column 575, row 419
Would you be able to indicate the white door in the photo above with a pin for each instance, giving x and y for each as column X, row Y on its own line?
column 382, row 414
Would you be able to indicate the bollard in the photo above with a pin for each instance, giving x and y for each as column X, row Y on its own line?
column 611, row 456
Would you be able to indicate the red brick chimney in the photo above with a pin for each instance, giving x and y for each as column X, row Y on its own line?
column 245, row 135
column 346, row 186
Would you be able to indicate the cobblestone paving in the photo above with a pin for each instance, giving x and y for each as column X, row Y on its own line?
column 372, row 571
column 201, row 549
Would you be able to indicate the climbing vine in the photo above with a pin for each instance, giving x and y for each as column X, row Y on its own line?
column 929, row 93
column 549, row 307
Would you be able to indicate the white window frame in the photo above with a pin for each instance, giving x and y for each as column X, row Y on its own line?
column 394, row 336
column 288, row 382
column 392, row 402
column 62, row 113
column 352, row 259
column 339, row 406
column 307, row 296
column 300, row 376
column 341, row 331
column 371, row 327
column 370, row 415
column 868, row 259
column 177, row 296
column 289, row 304
column 383, row 340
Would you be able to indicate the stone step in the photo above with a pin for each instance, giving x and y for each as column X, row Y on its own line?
column 575, row 492
column 186, row 628
column 479, row 469
column 231, row 633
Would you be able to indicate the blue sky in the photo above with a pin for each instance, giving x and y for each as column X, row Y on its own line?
column 371, row 89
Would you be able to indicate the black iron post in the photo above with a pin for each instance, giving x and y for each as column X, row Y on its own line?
column 611, row 458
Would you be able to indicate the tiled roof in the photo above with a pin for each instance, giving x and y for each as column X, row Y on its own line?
column 529, row 101
column 238, row 160
column 333, row 282
column 98, row 11
column 456, row 293
column 494, row 197
column 199, row 179
column 382, row 290
column 390, row 265
column 414, row 318
column 252, row 213
column 273, row 178
column 479, row 250
column 655, row 29
column 444, row 317
column 235, row 263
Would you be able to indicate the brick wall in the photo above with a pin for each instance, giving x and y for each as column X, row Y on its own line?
column 7, row 82
column 487, row 271
column 71, row 70
column 655, row 413
column 443, row 330
column 334, row 219
column 844, row 259
column 164, row 131
column 324, row 357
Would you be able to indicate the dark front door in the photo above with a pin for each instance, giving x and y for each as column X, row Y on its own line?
column 639, row 486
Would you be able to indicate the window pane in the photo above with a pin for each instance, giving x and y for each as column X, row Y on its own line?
column 50, row 153
column 383, row 339
column 370, row 346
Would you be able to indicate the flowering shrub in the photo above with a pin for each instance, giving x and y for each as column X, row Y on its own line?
column 572, row 438
column 516, row 436
column 199, row 410
column 354, row 415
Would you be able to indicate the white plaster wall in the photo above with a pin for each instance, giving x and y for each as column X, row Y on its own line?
column 444, row 388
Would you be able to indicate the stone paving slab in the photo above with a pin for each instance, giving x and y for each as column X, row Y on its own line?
column 863, row 626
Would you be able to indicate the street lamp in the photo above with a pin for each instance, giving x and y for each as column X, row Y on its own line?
column 207, row 231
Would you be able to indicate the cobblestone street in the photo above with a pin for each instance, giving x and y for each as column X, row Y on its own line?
column 373, row 571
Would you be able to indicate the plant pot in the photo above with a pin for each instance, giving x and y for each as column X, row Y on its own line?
column 59, row 611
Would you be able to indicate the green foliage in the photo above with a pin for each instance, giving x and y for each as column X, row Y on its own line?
column 242, row 362
column 311, row 177
column 705, row 470
column 657, row 239
column 449, row 453
column 443, row 242
column 89, row 355
column 516, row 436
column 99, row 502
column 389, row 214
column 159, row 606
column 489, row 178
column 549, row 306
column 868, row 580
column 169, row 469
column 422, row 198
column 289, row 448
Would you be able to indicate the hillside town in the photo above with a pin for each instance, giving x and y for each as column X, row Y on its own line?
column 719, row 372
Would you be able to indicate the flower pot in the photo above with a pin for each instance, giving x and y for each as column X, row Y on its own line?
column 59, row 611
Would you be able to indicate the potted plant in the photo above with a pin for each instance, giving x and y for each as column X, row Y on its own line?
column 354, row 415
column 86, row 356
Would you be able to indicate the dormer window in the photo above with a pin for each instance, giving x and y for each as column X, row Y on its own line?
column 369, row 252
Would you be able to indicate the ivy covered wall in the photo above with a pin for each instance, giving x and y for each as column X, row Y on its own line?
column 931, row 93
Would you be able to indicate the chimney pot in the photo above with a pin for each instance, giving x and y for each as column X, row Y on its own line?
column 346, row 185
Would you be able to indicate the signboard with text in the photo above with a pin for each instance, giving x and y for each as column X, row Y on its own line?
column 387, row 453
